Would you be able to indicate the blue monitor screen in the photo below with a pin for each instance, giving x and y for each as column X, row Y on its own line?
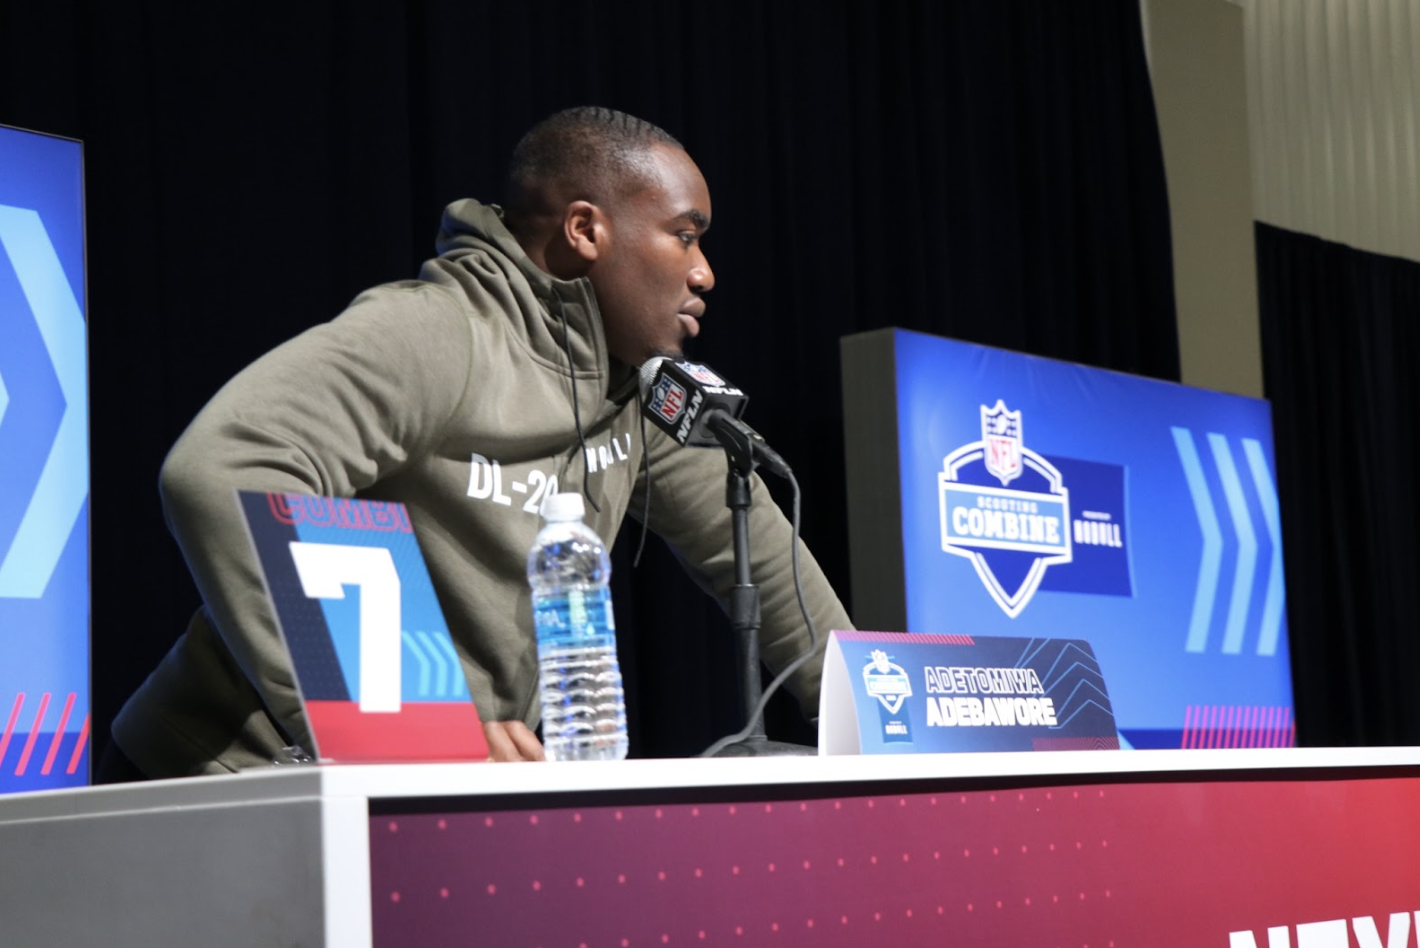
column 44, row 465
column 1044, row 498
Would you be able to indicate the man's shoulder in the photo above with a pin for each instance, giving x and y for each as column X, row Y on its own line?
column 409, row 294
column 405, row 303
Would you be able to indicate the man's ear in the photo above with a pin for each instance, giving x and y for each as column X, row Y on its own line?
column 584, row 229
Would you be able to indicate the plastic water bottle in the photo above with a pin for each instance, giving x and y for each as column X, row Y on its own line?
column 583, row 708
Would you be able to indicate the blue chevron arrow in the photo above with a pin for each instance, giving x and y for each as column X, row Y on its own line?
column 417, row 650
column 1247, row 544
column 1211, row 561
column 441, row 669
column 63, row 484
column 458, row 685
column 1267, row 495
column 443, row 646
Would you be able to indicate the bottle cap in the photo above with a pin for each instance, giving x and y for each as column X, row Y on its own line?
column 563, row 507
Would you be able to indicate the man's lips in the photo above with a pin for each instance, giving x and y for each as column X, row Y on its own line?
column 690, row 319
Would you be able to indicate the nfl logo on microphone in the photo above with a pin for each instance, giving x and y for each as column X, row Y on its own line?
column 701, row 373
column 667, row 399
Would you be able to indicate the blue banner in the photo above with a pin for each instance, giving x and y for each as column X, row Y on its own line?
column 1047, row 499
column 44, row 465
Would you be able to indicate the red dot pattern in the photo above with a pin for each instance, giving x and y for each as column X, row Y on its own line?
column 767, row 874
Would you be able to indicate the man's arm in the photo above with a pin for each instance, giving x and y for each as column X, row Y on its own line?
column 688, row 511
column 330, row 412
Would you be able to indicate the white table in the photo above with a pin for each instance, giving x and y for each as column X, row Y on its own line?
column 284, row 856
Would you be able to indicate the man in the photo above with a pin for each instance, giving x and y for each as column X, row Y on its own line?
column 515, row 352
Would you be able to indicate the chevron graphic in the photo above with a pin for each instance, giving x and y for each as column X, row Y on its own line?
column 1067, row 712
column 451, row 679
column 58, row 496
column 1271, row 513
column 443, row 681
column 440, row 674
column 1081, row 671
column 1247, row 544
column 422, row 660
column 1244, row 514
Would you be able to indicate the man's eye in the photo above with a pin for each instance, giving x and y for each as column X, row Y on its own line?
column 688, row 237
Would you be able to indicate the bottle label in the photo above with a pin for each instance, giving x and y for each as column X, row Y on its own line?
column 575, row 618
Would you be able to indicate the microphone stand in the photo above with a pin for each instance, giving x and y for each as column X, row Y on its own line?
column 744, row 598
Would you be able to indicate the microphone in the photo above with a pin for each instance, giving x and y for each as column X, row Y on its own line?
column 698, row 408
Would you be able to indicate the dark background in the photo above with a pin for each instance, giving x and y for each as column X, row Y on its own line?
column 988, row 171
column 1341, row 342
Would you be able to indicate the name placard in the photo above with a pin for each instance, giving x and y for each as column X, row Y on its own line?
column 895, row 693
column 375, row 664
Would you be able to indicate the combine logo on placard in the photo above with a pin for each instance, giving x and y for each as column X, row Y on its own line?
column 1010, row 534
column 886, row 681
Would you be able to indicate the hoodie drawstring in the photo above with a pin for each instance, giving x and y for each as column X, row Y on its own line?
column 582, row 442
column 576, row 408
column 645, row 481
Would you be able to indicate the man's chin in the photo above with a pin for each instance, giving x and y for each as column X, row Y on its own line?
column 676, row 353
column 657, row 352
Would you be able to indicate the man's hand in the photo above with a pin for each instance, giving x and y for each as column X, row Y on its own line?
column 511, row 741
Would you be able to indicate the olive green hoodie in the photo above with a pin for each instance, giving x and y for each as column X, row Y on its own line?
column 453, row 395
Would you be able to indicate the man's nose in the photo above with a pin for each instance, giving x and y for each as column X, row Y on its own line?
column 702, row 278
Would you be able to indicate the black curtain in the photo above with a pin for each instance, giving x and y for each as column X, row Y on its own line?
column 989, row 171
column 1340, row 349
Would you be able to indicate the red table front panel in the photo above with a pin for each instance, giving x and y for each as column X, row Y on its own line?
column 1103, row 865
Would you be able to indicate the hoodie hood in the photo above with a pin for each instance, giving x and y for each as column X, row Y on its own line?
column 469, row 224
column 479, row 254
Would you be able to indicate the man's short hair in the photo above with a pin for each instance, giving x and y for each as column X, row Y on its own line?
column 586, row 153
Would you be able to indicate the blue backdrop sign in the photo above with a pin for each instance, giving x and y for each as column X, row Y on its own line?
column 44, row 465
column 1044, row 499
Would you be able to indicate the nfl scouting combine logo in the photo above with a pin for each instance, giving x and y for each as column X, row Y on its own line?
column 1005, row 508
column 886, row 681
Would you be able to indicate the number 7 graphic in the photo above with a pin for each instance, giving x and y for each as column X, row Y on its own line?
column 325, row 569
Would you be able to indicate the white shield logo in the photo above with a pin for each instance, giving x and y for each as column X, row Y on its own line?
column 886, row 681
